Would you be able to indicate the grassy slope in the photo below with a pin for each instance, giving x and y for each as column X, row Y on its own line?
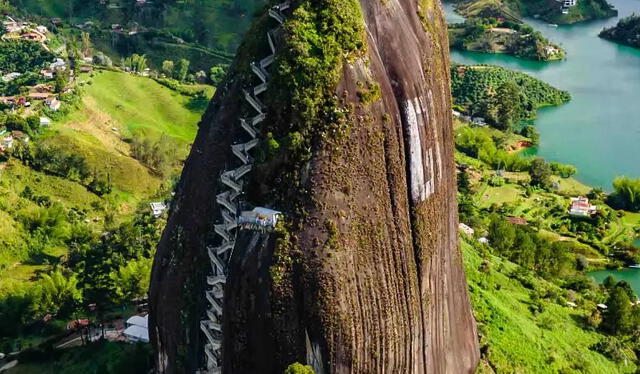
column 141, row 104
column 521, row 342
column 113, row 100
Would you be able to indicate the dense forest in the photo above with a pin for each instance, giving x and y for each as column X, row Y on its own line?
column 22, row 56
column 627, row 31
column 504, row 97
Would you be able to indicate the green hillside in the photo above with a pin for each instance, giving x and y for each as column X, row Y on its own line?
column 215, row 24
column 515, row 339
column 114, row 109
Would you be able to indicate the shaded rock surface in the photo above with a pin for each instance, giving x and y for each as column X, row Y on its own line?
column 374, row 282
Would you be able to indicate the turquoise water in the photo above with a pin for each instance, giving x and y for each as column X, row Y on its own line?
column 630, row 275
column 599, row 131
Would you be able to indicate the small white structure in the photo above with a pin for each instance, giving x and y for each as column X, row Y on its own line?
column 157, row 208
column 571, row 304
column 259, row 219
column 602, row 307
column 53, row 104
column 483, row 240
column 479, row 121
column 58, row 64
column 11, row 76
column 466, row 229
column 137, row 329
column 580, row 207
column 45, row 121
column 7, row 142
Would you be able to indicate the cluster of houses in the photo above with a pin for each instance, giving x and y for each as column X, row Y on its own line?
column 24, row 30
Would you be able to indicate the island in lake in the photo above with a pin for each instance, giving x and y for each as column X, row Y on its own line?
column 498, row 35
column 626, row 32
column 552, row 11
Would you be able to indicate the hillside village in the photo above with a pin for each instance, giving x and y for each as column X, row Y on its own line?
column 78, row 141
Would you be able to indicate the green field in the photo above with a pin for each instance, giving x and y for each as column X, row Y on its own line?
column 138, row 104
column 114, row 108
column 516, row 340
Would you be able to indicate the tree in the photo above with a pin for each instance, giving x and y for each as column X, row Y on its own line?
column 532, row 133
column 182, row 70
column 540, row 173
column 217, row 74
column 86, row 44
column 102, row 59
column 167, row 68
column 617, row 318
column 502, row 234
column 508, row 106
column 626, row 193
column 298, row 368
column 55, row 293
column 463, row 182
column 132, row 280
column 61, row 80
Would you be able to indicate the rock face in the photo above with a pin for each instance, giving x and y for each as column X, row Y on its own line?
column 367, row 275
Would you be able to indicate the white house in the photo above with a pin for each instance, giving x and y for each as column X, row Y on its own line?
column 466, row 229
column 157, row 208
column 53, row 104
column 137, row 329
column 44, row 121
column 580, row 207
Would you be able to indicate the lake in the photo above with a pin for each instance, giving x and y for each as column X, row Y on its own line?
column 630, row 275
column 599, row 130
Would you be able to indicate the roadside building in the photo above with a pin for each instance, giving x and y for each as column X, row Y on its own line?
column 580, row 207
column 53, row 104
column 137, row 329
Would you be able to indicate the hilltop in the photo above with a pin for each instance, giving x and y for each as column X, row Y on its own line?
column 626, row 32
column 492, row 36
column 549, row 10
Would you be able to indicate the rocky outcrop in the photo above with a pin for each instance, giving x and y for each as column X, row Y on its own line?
column 366, row 274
